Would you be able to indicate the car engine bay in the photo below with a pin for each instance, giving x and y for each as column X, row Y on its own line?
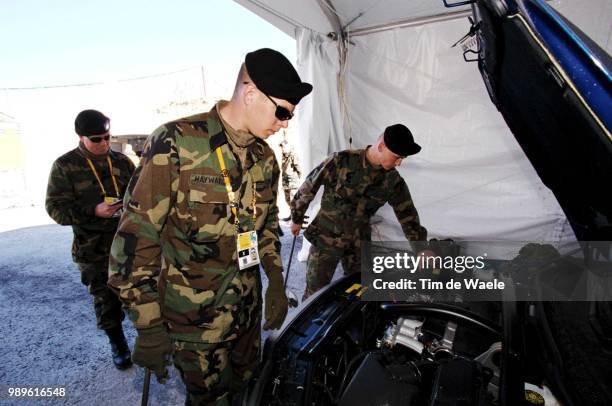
column 345, row 351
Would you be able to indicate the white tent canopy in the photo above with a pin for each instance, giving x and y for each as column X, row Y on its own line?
column 471, row 181
column 356, row 16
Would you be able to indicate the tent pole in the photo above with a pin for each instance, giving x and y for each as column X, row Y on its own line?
column 411, row 22
column 329, row 11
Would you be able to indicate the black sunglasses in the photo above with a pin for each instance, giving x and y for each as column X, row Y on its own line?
column 282, row 113
column 97, row 139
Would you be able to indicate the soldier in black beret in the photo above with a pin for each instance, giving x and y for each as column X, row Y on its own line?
column 274, row 76
column 356, row 184
column 200, row 220
column 399, row 140
column 84, row 191
column 91, row 122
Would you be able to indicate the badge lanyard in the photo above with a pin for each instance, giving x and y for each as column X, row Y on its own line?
column 110, row 166
column 246, row 243
column 234, row 204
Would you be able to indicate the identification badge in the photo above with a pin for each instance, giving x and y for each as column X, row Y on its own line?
column 113, row 201
column 248, row 254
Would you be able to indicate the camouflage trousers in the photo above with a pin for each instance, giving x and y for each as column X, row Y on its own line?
column 107, row 306
column 215, row 373
column 323, row 258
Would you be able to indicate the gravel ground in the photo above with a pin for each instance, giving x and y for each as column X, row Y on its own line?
column 47, row 325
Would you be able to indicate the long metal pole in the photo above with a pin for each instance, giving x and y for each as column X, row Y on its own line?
column 145, row 387
column 290, row 260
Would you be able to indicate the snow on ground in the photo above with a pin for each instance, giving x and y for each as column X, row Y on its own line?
column 47, row 323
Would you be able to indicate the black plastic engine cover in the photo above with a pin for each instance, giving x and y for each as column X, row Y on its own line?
column 377, row 384
column 460, row 382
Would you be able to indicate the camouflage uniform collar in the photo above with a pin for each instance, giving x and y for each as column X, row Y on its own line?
column 215, row 130
column 364, row 160
column 88, row 155
column 241, row 139
column 217, row 136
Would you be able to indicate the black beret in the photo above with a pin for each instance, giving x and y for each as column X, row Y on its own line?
column 91, row 122
column 399, row 140
column 275, row 76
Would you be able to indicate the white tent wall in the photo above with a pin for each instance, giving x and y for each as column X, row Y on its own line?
column 471, row 180
column 319, row 114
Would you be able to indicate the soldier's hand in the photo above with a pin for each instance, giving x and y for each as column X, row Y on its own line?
column 295, row 228
column 152, row 350
column 106, row 210
column 276, row 303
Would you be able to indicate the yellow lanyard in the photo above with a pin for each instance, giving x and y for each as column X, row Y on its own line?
column 234, row 204
column 110, row 166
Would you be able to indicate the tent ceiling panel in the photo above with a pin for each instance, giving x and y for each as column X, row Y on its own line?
column 361, row 14
column 289, row 15
column 356, row 14
column 366, row 16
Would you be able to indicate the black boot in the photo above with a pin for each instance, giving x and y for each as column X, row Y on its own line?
column 121, row 352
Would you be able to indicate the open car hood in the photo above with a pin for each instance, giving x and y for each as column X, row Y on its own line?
column 553, row 88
